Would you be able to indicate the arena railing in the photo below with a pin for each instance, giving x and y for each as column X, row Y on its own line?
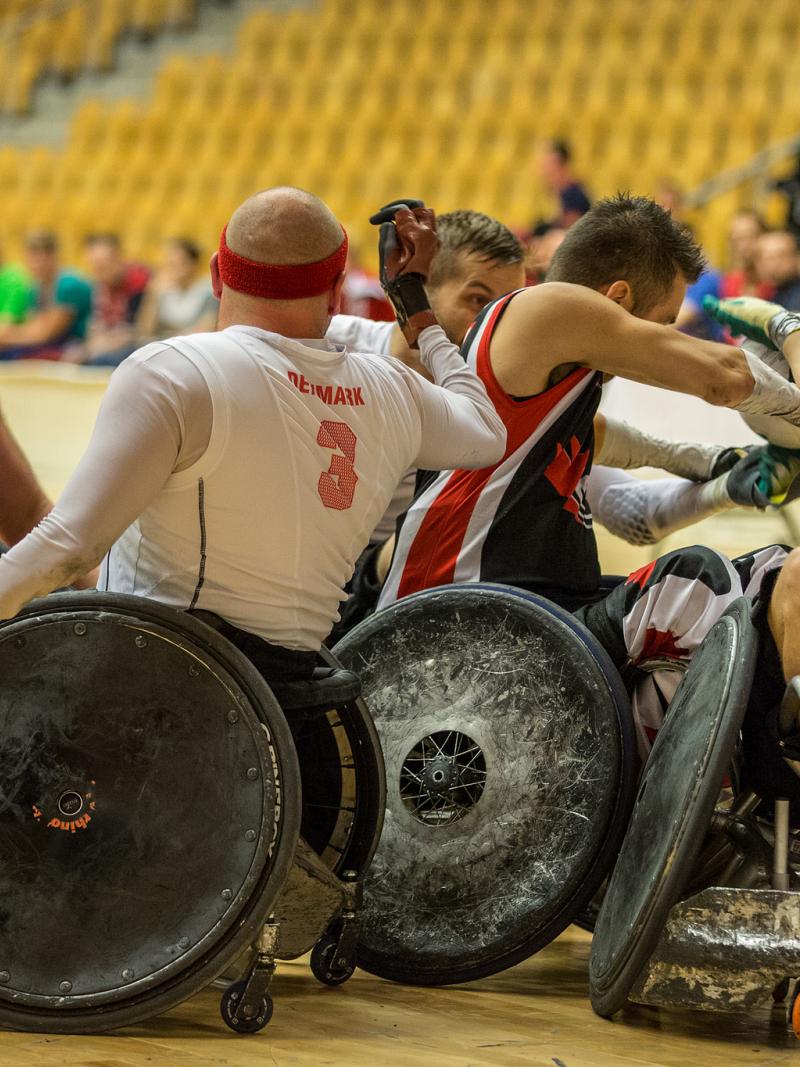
column 757, row 170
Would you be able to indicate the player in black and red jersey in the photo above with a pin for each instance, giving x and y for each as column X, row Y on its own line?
column 614, row 288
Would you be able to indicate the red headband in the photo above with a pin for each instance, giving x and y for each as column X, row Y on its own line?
column 280, row 281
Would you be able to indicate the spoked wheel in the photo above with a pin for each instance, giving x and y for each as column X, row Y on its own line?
column 343, row 784
column 151, row 804
column 510, row 765
column 443, row 777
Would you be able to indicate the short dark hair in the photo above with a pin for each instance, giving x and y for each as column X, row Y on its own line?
column 562, row 149
column 472, row 232
column 110, row 240
column 41, row 241
column 186, row 245
column 632, row 239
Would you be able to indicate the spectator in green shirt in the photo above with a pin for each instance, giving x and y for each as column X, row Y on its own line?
column 15, row 290
column 59, row 309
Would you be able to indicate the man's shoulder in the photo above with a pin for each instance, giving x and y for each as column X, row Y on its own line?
column 71, row 284
column 361, row 335
column 13, row 273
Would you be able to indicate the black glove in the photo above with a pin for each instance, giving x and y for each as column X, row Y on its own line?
column 768, row 475
column 407, row 244
column 387, row 212
column 727, row 458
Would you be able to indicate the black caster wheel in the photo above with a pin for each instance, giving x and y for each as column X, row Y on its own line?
column 228, row 1004
column 321, row 960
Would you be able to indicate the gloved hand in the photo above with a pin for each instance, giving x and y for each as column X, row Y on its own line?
column 768, row 324
column 387, row 212
column 768, row 475
column 407, row 245
column 727, row 458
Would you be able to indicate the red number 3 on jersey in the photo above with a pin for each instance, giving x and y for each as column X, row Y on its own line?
column 337, row 485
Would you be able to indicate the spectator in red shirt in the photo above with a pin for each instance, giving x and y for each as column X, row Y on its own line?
column 779, row 266
column 742, row 279
column 118, row 290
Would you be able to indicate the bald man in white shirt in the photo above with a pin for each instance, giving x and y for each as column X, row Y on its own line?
column 242, row 472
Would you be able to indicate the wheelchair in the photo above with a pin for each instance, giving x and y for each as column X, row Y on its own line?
column 703, row 906
column 513, row 794
column 163, row 820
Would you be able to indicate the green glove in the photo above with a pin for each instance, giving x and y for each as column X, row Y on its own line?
column 744, row 315
column 779, row 477
column 763, row 322
column 767, row 475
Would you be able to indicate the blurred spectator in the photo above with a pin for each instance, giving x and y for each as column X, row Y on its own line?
column 556, row 170
column 670, row 196
column 540, row 248
column 779, row 266
column 790, row 187
column 362, row 294
column 118, row 291
column 15, row 293
column 61, row 304
column 176, row 300
column 692, row 318
column 744, row 231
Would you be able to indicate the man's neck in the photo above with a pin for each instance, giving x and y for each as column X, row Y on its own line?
column 287, row 318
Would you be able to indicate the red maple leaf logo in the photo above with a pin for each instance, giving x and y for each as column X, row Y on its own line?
column 660, row 644
column 641, row 576
column 565, row 472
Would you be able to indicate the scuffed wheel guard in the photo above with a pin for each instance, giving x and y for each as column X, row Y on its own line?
column 476, row 871
column 675, row 801
column 150, row 811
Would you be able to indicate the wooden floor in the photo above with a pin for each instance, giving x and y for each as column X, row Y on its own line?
column 537, row 1014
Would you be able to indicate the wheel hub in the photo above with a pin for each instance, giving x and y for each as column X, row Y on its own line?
column 438, row 776
column 443, row 777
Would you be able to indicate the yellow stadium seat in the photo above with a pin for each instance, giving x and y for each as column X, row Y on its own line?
column 361, row 101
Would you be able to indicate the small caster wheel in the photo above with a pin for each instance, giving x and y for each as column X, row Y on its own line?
column 228, row 1004
column 321, row 963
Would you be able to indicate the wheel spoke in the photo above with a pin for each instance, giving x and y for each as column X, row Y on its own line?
column 447, row 755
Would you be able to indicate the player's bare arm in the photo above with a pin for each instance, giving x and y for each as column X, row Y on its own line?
column 559, row 325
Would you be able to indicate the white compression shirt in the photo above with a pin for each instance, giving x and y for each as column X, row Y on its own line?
column 364, row 335
column 643, row 512
column 242, row 472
